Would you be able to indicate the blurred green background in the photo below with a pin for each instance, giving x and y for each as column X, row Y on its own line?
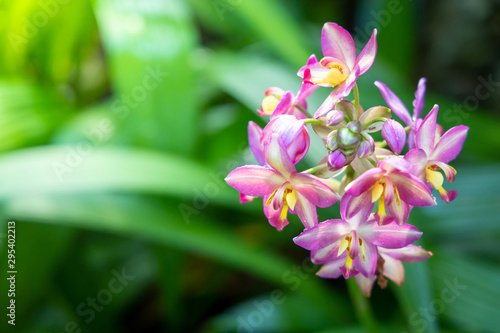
column 119, row 120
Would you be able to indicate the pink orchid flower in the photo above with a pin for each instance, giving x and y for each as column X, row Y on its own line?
column 340, row 67
column 348, row 246
column 391, row 266
column 395, row 188
column 396, row 106
column 278, row 102
column 434, row 152
column 292, row 132
column 283, row 188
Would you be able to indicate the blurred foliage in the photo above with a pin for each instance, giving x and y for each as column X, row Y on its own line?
column 119, row 121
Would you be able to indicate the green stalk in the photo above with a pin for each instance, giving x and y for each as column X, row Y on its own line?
column 304, row 111
column 356, row 100
column 313, row 121
column 316, row 168
column 362, row 307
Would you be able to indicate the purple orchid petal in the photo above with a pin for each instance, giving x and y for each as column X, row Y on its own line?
column 305, row 91
column 410, row 253
column 277, row 156
column 393, row 269
column 394, row 103
column 314, row 190
column 348, row 272
column 367, row 263
column 395, row 136
column 392, row 163
column 367, row 56
column 447, row 196
column 418, row 160
column 418, row 102
column 449, row 172
column 364, row 182
column 426, row 133
column 399, row 212
column 411, row 189
column 365, row 283
column 285, row 105
column 327, row 253
column 356, row 209
column 278, row 222
column 322, row 234
column 254, row 180
column 245, row 198
column 450, row 144
column 306, row 211
column 391, row 236
column 311, row 61
column 336, row 42
column 331, row 270
column 254, row 133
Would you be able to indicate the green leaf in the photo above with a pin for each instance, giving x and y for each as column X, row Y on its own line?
column 162, row 223
column 39, row 249
column 150, row 47
column 81, row 168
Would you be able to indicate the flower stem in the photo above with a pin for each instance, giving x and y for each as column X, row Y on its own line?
column 381, row 144
column 313, row 121
column 362, row 307
column 314, row 169
column 304, row 111
column 356, row 100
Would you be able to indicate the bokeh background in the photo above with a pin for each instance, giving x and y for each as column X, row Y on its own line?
column 119, row 120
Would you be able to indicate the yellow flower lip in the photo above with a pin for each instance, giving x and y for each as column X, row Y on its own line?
column 338, row 72
column 288, row 199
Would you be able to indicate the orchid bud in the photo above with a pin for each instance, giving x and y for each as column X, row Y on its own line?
column 355, row 126
column 269, row 103
column 347, row 138
column 336, row 160
column 367, row 146
column 292, row 132
column 334, row 117
column 395, row 136
column 331, row 141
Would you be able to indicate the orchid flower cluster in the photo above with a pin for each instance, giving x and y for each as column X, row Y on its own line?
column 376, row 185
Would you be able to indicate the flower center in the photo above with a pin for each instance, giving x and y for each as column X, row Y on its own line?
column 338, row 72
column 436, row 178
column 352, row 244
column 379, row 193
column 283, row 198
column 270, row 103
